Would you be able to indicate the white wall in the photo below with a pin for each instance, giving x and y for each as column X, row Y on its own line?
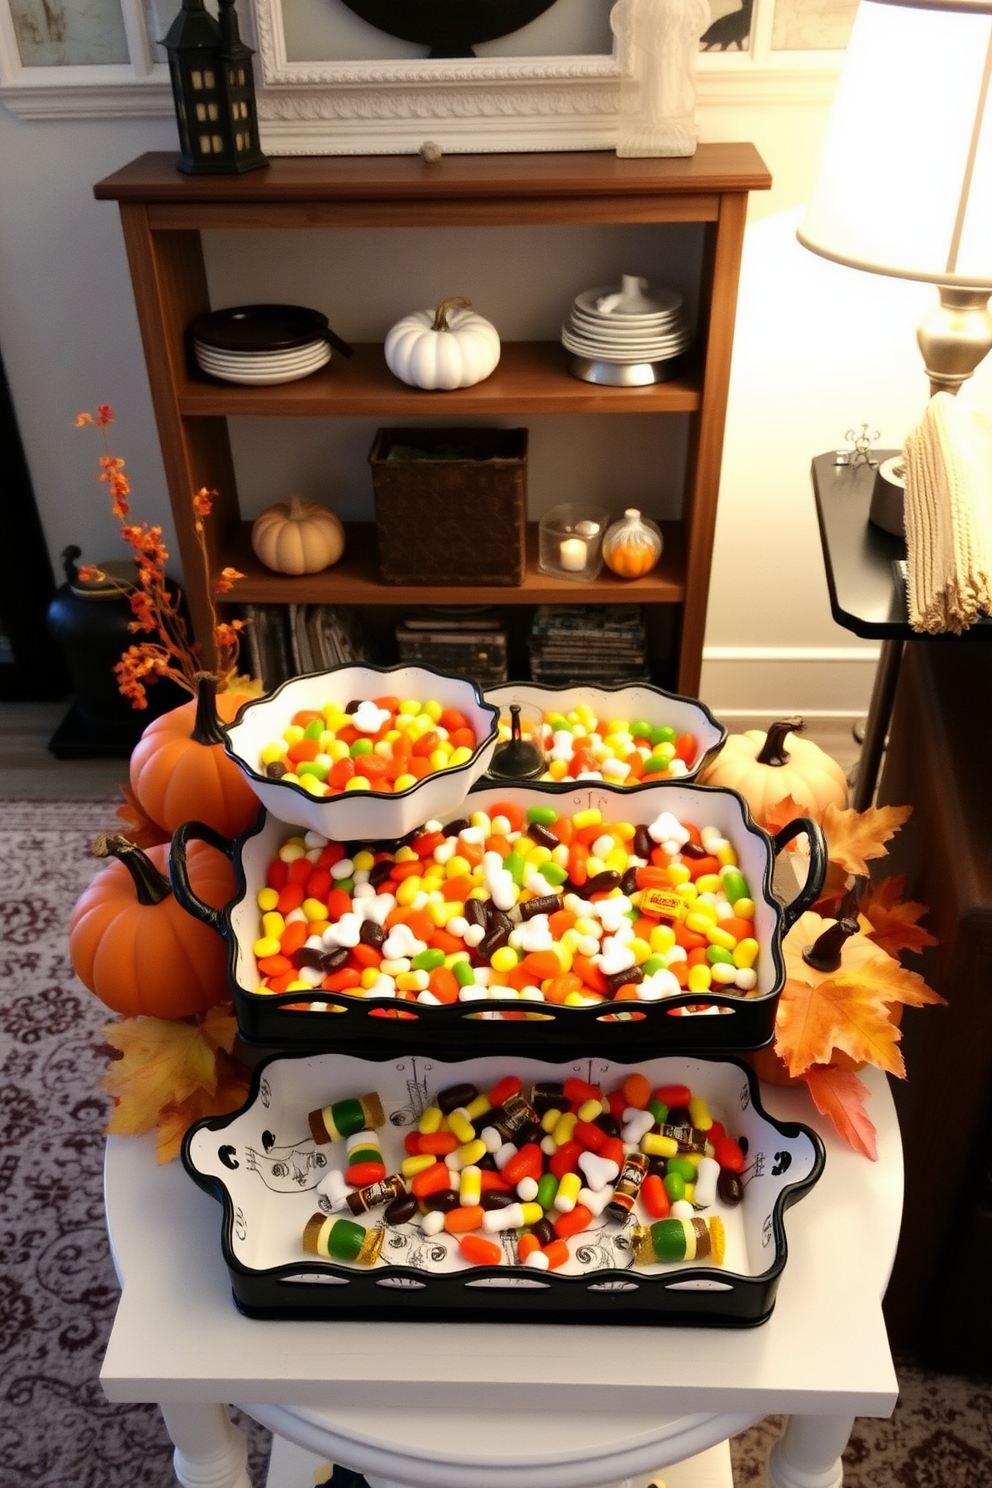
column 819, row 349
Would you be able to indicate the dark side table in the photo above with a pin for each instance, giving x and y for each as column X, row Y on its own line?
column 866, row 596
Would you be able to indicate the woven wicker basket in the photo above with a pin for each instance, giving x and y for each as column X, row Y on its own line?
column 450, row 505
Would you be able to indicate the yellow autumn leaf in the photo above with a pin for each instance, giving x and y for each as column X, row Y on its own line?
column 163, row 1061
column 854, row 837
column 174, row 1121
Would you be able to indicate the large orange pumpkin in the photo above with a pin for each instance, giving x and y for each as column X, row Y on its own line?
column 132, row 944
column 179, row 768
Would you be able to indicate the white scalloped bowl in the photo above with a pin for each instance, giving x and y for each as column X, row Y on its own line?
column 370, row 813
column 641, row 701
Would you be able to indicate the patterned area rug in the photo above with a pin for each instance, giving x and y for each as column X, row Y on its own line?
column 58, row 1291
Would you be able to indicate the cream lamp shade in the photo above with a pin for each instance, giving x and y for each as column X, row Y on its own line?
column 905, row 182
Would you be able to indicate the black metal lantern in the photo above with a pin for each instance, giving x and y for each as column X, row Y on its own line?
column 214, row 92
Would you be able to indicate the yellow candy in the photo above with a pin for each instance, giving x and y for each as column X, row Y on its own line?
column 314, row 909
column 746, row 952
column 557, row 769
column 699, row 978
column 267, row 899
column 273, row 924
column 315, row 787
column 358, row 783
column 404, row 782
column 363, row 860
column 293, row 849
column 430, row 1120
column 504, row 959
column 266, row 945
column 293, row 734
column 277, row 750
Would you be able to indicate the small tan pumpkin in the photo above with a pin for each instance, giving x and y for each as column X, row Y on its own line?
column 298, row 537
column 765, row 768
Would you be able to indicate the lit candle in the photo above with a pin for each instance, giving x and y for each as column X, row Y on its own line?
column 573, row 553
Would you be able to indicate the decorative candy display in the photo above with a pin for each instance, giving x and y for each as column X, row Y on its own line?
column 581, row 744
column 540, row 1164
column 527, row 905
column 381, row 744
column 576, row 1184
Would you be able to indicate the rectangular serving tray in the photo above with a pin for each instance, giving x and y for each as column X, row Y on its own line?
column 263, row 1165
column 719, row 1023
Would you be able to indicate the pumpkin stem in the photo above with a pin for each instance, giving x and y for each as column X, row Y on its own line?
column 150, row 886
column 826, row 951
column 773, row 751
column 850, row 905
column 441, row 312
column 206, row 726
column 294, row 509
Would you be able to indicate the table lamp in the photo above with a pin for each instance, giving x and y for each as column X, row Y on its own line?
column 905, row 182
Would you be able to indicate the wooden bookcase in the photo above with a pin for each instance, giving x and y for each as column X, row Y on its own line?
column 163, row 214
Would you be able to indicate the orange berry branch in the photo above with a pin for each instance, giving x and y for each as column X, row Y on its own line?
column 155, row 606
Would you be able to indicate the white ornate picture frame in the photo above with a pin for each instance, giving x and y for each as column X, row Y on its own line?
column 476, row 104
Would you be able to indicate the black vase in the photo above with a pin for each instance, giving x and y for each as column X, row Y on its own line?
column 89, row 618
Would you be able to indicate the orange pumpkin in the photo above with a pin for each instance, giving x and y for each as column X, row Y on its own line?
column 132, row 944
column 179, row 768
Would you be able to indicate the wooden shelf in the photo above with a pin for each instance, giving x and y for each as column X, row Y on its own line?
column 532, row 378
column 354, row 580
column 164, row 215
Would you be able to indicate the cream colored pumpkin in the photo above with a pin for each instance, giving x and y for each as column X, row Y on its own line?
column 445, row 348
column 765, row 768
column 298, row 537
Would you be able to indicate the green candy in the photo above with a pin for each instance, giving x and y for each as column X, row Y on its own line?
column 641, row 730
column 427, row 960
column 311, row 767
column 547, row 1187
column 314, row 728
column 658, row 1110
column 664, row 735
column 544, row 816
column 360, row 746
column 345, row 1240
column 464, row 974
column 554, row 873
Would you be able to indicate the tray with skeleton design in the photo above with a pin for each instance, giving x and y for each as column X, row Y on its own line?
column 264, row 1165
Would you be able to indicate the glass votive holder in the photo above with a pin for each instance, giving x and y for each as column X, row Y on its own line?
column 519, row 752
column 571, row 541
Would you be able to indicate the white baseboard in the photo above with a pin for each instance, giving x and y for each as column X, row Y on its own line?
column 779, row 680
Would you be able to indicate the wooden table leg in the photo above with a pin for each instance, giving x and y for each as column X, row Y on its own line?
column 808, row 1453
column 877, row 724
column 211, row 1452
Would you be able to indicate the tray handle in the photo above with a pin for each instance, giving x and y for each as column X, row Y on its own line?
column 811, row 889
column 196, row 831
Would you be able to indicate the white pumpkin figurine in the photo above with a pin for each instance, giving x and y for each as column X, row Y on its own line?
column 444, row 348
column 298, row 537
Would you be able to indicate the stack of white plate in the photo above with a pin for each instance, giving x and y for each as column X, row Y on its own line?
column 625, row 335
column 262, row 344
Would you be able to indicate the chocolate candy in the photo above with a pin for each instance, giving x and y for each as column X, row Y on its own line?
column 342, row 1240
column 345, row 1117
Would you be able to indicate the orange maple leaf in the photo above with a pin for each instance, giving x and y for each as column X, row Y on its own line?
column 138, row 825
column 785, row 811
column 892, row 920
column 854, row 837
column 848, row 1011
column 841, row 1096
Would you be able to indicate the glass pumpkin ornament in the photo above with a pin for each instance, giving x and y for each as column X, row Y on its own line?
column 632, row 545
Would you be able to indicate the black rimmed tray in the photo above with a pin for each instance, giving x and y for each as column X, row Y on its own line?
column 263, row 1165
column 715, row 1023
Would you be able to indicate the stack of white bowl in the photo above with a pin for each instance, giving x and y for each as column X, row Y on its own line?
column 626, row 334
column 261, row 344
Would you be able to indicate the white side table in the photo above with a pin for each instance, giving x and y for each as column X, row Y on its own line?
column 493, row 1406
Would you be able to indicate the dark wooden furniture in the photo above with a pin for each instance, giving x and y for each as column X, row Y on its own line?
column 939, row 1301
column 163, row 214
column 865, row 596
